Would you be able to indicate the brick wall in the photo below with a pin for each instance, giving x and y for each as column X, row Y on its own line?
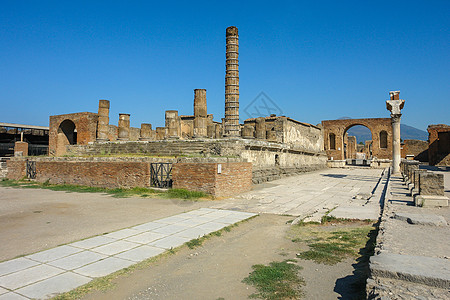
column 16, row 169
column 21, row 147
column 100, row 174
column 234, row 178
column 415, row 147
column 439, row 145
column 85, row 125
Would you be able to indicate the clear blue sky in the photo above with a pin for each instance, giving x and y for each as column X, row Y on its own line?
column 317, row 60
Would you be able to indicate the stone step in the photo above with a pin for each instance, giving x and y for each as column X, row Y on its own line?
column 430, row 271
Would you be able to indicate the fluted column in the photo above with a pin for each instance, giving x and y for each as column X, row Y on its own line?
column 232, row 128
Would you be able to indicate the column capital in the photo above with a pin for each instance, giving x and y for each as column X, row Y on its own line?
column 395, row 106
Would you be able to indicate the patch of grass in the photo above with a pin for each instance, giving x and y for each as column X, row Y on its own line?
column 331, row 247
column 278, row 280
column 194, row 243
column 185, row 194
column 330, row 219
column 116, row 192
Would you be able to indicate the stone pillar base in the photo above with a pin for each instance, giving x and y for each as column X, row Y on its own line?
column 430, row 201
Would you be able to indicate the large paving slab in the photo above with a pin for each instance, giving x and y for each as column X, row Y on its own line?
column 309, row 193
column 45, row 274
column 421, row 269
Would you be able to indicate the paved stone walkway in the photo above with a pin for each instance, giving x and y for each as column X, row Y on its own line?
column 311, row 194
column 44, row 274
column 411, row 255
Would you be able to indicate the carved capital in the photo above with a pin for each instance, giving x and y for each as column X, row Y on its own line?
column 395, row 106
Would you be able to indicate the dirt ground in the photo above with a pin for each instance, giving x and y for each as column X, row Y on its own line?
column 215, row 270
column 33, row 220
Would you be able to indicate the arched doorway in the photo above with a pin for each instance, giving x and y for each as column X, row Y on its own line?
column 337, row 141
column 67, row 135
column 358, row 140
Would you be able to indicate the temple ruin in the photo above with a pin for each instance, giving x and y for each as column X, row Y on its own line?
column 260, row 149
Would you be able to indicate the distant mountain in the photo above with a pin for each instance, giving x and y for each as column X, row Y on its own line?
column 412, row 133
column 407, row 132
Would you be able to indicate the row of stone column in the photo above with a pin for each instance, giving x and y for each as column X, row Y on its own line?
column 426, row 187
column 258, row 131
column 172, row 129
column 146, row 132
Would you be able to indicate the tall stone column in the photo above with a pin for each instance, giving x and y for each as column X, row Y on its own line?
column 173, row 124
column 124, row 127
column 103, row 120
column 232, row 128
column 260, row 128
column 146, row 132
column 394, row 105
column 200, row 113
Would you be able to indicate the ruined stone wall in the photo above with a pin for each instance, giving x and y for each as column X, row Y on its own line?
column 135, row 133
column 113, row 132
column 234, row 178
column 302, row 135
column 417, row 148
column 86, row 131
column 439, row 145
column 187, row 127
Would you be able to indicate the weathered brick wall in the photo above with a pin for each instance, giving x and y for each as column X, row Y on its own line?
column 415, row 147
column 21, row 147
column 100, row 174
column 234, row 178
column 85, row 125
column 439, row 145
column 16, row 169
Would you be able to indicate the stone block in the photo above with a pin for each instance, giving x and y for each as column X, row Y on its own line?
column 431, row 184
column 431, row 201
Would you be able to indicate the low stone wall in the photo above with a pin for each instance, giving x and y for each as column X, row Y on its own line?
column 274, row 173
column 195, row 174
column 336, row 163
column 99, row 174
column 217, row 179
column 16, row 169
column 3, row 167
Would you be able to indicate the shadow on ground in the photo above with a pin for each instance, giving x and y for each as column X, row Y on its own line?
column 354, row 286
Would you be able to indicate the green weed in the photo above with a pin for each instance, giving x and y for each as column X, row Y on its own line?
column 278, row 280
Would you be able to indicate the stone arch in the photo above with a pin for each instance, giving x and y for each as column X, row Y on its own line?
column 368, row 152
column 67, row 135
column 340, row 127
column 71, row 129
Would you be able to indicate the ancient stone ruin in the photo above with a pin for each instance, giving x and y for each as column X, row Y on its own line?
column 261, row 149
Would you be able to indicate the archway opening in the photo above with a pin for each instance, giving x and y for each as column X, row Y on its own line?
column 67, row 135
column 358, row 140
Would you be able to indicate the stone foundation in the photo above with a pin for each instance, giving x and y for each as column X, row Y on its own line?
column 261, row 154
